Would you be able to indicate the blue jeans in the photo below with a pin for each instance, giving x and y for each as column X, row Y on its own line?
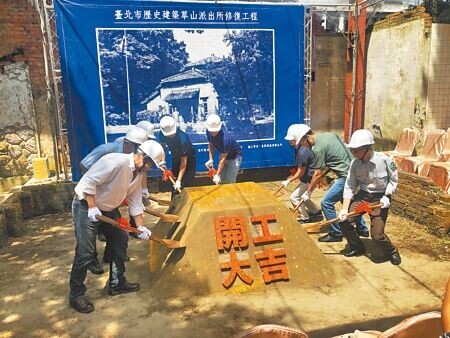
column 230, row 170
column 85, row 252
column 332, row 196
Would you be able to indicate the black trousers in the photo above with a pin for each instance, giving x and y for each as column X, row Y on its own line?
column 377, row 224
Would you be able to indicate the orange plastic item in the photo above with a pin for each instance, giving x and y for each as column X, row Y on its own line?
column 167, row 175
column 364, row 207
column 124, row 225
column 212, row 172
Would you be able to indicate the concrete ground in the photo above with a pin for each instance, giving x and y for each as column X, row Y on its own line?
column 34, row 271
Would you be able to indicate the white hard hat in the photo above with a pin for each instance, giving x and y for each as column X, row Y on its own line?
column 153, row 150
column 213, row 123
column 136, row 135
column 168, row 125
column 297, row 132
column 361, row 137
column 148, row 127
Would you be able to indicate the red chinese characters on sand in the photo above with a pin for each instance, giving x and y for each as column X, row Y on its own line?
column 231, row 231
column 273, row 265
column 232, row 237
column 235, row 266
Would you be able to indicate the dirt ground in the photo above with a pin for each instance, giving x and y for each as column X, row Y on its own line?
column 35, row 267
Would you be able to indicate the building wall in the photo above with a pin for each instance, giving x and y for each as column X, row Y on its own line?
column 20, row 34
column 328, row 87
column 397, row 78
column 438, row 103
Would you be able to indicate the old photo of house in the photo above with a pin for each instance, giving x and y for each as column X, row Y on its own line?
column 146, row 74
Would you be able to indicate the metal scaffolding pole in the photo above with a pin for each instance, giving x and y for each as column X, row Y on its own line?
column 57, row 93
column 307, row 61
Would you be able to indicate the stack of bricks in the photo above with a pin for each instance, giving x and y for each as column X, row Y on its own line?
column 420, row 200
column 395, row 19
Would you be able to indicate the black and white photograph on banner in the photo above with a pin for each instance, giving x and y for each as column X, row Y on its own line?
column 147, row 74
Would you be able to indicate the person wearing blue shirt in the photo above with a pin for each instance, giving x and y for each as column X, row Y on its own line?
column 184, row 159
column 230, row 150
column 304, row 158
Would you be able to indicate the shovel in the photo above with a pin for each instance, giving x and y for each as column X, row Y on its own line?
column 157, row 200
column 292, row 171
column 165, row 217
column 124, row 225
column 361, row 209
column 168, row 174
column 211, row 173
column 297, row 206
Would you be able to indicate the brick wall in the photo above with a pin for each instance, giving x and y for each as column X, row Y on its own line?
column 20, row 29
column 419, row 199
column 21, row 35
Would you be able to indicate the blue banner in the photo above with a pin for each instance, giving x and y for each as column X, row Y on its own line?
column 124, row 61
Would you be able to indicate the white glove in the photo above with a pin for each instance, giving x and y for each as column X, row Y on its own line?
column 305, row 196
column 163, row 165
column 343, row 214
column 145, row 233
column 216, row 179
column 92, row 212
column 385, row 201
column 145, row 193
column 177, row 185
column 209, row 164
column 285, row 183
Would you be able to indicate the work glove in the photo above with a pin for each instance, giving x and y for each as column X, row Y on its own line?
column 343, row 214
column 177, row 185
column 216, row 179
column 285, row 183
column 305, row 196
column 163, row 165
column 145, row 233
column 92, row 212
column 385, row 201
column 209, row 164
column 145, row 193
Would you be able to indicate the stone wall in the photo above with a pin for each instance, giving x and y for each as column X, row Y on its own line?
column 17, row 150
column 420, row 200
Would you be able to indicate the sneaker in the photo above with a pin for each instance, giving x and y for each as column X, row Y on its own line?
column 330, row 238
column 125, row 288
column 95, row 267
column 316, row 217
column 82, row 304
column 396, row 259
column 364, row 233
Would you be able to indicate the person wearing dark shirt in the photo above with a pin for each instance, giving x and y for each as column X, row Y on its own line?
column 230, row 150
column 184, row 157
column 304, row 158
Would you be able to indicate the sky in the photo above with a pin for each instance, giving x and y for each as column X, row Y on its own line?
column 200, row 46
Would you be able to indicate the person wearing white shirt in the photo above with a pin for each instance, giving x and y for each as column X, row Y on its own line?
column 376, row 176
column 101, row 191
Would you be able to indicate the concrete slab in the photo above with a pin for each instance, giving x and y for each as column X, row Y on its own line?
column 239, row 238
